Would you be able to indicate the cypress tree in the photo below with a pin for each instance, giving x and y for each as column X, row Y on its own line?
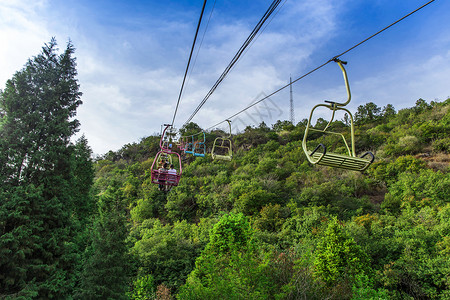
column 37, row 167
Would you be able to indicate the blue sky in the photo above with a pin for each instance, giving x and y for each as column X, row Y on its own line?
column 132, row 56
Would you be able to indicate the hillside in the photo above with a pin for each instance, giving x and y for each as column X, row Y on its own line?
column 269, row 225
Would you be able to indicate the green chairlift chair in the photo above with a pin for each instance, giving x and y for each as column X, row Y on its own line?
column 320, row 154
column 222, row 148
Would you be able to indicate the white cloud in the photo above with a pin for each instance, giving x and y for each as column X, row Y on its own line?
column 22, row 34
column 107, row 96
column 402, row 85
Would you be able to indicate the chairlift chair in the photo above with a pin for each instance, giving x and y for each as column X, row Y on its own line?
column 164, row 158
column 222, row 148
column 197, row 147
column 181, row 144
column 167, row 144
column 320, row 154
column 162, row 177
column 189, row 146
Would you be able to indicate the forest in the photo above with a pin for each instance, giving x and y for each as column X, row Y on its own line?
column 265, row 225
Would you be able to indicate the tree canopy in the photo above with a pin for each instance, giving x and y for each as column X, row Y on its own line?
column 45, row 178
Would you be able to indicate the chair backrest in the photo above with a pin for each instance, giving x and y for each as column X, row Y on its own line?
column 197, row 147
column 222, row 149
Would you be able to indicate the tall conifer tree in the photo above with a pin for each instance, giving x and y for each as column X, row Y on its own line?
column 37, row 166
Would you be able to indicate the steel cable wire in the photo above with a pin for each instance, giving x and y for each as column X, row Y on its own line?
column 241, row 50
column 319, row 67
column 187, row 67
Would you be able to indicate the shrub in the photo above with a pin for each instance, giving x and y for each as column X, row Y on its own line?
column 338, row 257
column 441, row 145
column 143, row 288
column 409, row 144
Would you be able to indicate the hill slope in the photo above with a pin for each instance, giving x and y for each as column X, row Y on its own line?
column 268, row 224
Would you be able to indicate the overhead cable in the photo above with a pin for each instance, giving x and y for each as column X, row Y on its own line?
column 264, row 28
column 187, row 67
column 201, row 41
column 247, row 42
column 322, row 65
column 273, row 93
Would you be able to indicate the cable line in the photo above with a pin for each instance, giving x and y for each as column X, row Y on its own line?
column 198, row 51
column 265, row 26
column 322, row 65
column 201, row 41
column 247, row 42
column 273, row 93
column 187, row 67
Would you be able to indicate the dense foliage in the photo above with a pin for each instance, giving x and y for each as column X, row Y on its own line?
column 45, row 179
column 265, row 225
column 268, row 225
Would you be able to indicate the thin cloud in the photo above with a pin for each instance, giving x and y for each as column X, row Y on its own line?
column 22, row 35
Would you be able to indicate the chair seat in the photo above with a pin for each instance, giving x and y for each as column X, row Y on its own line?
column 221, row 157
column 342, row 161
column 164, row 178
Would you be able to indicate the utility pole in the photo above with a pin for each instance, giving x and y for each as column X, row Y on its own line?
column 292, row 102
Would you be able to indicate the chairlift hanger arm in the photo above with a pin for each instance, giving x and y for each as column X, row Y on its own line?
column 347, row 86
column 161, row 141
column 229, row 125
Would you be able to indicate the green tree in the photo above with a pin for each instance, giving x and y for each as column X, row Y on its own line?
column 40, row 103
column 425, row 188
column 321, row 123
column 346, row 120
column 37, row 179
column 388, row 111
column 282, row 125
column 190, row 128
column 367, row 113
column 83, row 178
column 20, row 240
column 421, row 105
column 230, row 265
column 106, row 265
column 338, row 259
column 143, row 288
column 82, row 208
column 168, row 252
